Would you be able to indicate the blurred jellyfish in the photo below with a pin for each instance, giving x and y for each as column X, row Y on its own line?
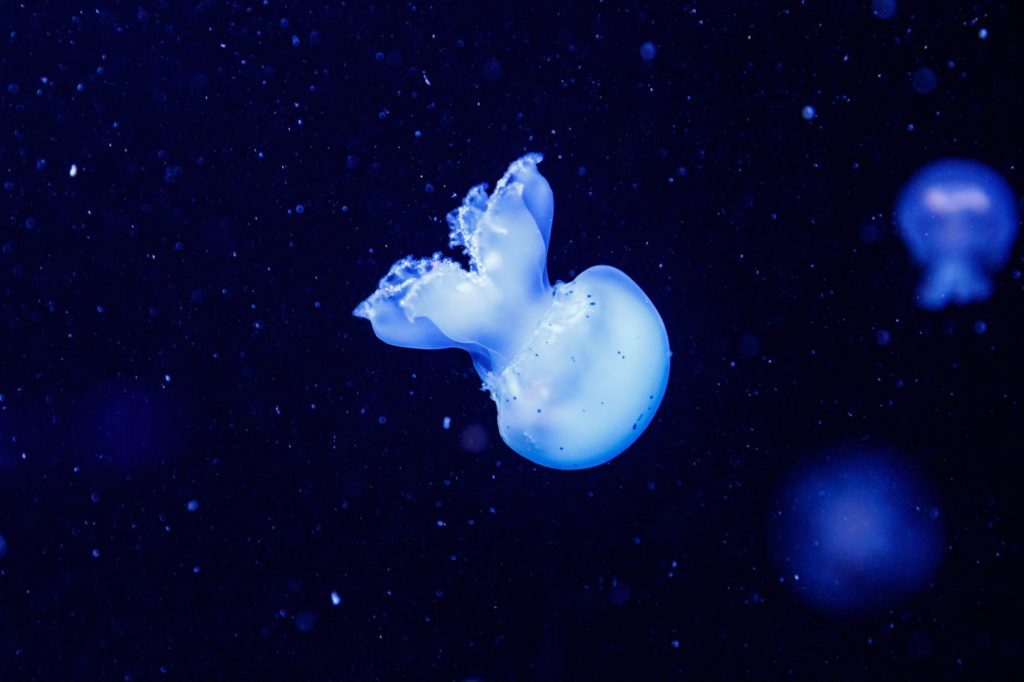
column 856, row 533
column 959, row 220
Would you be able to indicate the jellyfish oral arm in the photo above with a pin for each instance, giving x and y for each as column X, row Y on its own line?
column 953, row 281
column 577, row 370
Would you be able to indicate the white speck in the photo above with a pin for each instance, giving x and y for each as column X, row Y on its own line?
column 335, row 599
column 425, row 79
column 74, row 170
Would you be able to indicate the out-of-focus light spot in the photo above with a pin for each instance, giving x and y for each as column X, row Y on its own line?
column 648, row 51
column 807, row 112
column 305, row 621
column 884, row 9
column 924, row 80
column 473, row 438
column 860, row 532
column 619, row 593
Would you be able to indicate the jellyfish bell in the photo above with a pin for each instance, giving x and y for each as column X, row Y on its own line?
column 577, row 369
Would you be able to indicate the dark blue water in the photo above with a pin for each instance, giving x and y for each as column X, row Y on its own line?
column 209, row 469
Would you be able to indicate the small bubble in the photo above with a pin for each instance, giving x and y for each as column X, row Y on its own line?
column 884, row 9
column 305, row 621
column 924, row 80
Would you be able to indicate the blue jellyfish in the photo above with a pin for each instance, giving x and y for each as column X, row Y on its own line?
column 959, row 220
column 577, row 369
column 857, row 533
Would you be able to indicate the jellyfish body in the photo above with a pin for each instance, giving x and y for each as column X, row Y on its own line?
column 577, row 369
column 959, row 220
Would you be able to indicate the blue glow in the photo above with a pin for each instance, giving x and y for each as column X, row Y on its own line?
column 857, row 534
column 959, row 219
column 884, row 9
column 577, row 370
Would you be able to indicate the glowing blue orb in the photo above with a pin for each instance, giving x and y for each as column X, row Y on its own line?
column 856, row 533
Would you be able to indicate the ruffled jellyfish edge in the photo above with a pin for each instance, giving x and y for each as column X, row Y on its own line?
column 406, row 279
column 464, row 222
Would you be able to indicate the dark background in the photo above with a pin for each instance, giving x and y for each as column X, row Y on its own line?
column 199, row 443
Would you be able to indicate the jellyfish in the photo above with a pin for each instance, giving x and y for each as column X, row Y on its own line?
column 577, row 370
column 856, row 532
column 959, row 220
